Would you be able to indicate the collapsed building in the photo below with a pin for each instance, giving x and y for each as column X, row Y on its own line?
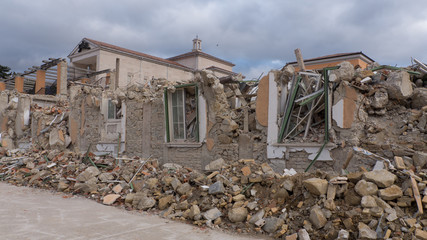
column 290, row 119
column 210, row 148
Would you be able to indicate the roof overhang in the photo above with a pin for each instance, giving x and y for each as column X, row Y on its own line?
column 201, row 54
column 221, row 70
column 334, row 58
column 96, row 47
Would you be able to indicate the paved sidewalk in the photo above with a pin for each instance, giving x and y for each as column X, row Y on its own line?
column 27, row 213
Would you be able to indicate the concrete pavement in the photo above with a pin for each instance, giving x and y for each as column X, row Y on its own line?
column 27, row 213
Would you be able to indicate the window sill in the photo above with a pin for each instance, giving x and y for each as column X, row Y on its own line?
column 184, row 145
column 114, row 120
column 329, row 144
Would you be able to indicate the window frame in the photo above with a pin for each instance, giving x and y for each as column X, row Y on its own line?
column 168, row 113
column 113, row 108
column 177, row 109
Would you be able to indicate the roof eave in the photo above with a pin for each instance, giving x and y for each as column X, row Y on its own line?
column 145, row 58
column 336, row 58
column 197, row 53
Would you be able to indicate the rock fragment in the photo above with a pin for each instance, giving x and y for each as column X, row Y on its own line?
column 317, row 217
column 110, row 199
column 257, row 216
column 303, row 234
column 272, row 224
column 399, row 85
column 316, row 186
column 390, row 193
column 215, row 165
column 364, row 188
column 212, row 214
column 216, row 188
column 382, row 178
column 365, row 232
column 237, row 214
column 184, row 189
column 87, row 174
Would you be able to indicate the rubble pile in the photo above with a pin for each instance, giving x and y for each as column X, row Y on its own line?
column 391, row 116
column 230, row 101
column 26, row 120
column 382, row 91
column 241, row 196
column 8, row 115
column 52, row 129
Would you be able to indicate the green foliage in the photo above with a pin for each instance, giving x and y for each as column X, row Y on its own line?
column 4, row 71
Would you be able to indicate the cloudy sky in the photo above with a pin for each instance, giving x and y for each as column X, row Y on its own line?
column 255, row 35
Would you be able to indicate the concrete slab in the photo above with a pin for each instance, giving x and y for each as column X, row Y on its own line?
column 28, row 213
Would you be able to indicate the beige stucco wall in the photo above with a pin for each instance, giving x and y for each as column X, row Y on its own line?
column 188, row 62
column 140, row 70
column 219, row 74
column 205, row 63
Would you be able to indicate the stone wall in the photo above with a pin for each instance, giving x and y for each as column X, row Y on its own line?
column 157, row 127
column 134, row 125
column 92, row 121
column 145, row 136
column 226, row 131
column 185, row 156
column 298, row 160
column 86, row 122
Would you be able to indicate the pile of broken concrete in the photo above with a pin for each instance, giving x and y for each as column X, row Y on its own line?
column 242, row 196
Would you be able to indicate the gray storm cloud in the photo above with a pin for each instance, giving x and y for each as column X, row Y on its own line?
column 255, row 35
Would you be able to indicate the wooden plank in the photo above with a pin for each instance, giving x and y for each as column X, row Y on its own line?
column 301, row 66
column 349, row 157
column 416, row 193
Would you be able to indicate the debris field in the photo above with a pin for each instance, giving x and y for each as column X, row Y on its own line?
column 241, row 196
column 374, row 186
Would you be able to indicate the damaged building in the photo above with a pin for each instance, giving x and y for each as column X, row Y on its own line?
column 188, row 113
column 190, row 141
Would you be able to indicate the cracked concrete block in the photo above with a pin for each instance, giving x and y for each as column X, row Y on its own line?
column 56, row 138
column 399, row 85
column 419, row 98
column 344, row 73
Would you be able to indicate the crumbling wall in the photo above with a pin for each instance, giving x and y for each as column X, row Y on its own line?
column 86, row 121
column 370, row 108
column 8, row 107
column 233, row 131
column 33, row 121
column 384, row 123
column 157, row 126
column 298, row 160
column 230, row 130
column 134, row 127
column 92, row 123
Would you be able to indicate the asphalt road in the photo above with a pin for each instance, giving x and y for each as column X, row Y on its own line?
column 27, row 213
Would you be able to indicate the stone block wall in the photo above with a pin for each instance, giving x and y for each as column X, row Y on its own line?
column 93, row 123
column 189, row 157
column 259, row 151
column 226, row 151
column 134, row 125
column 157, row 126
column 298, row 160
